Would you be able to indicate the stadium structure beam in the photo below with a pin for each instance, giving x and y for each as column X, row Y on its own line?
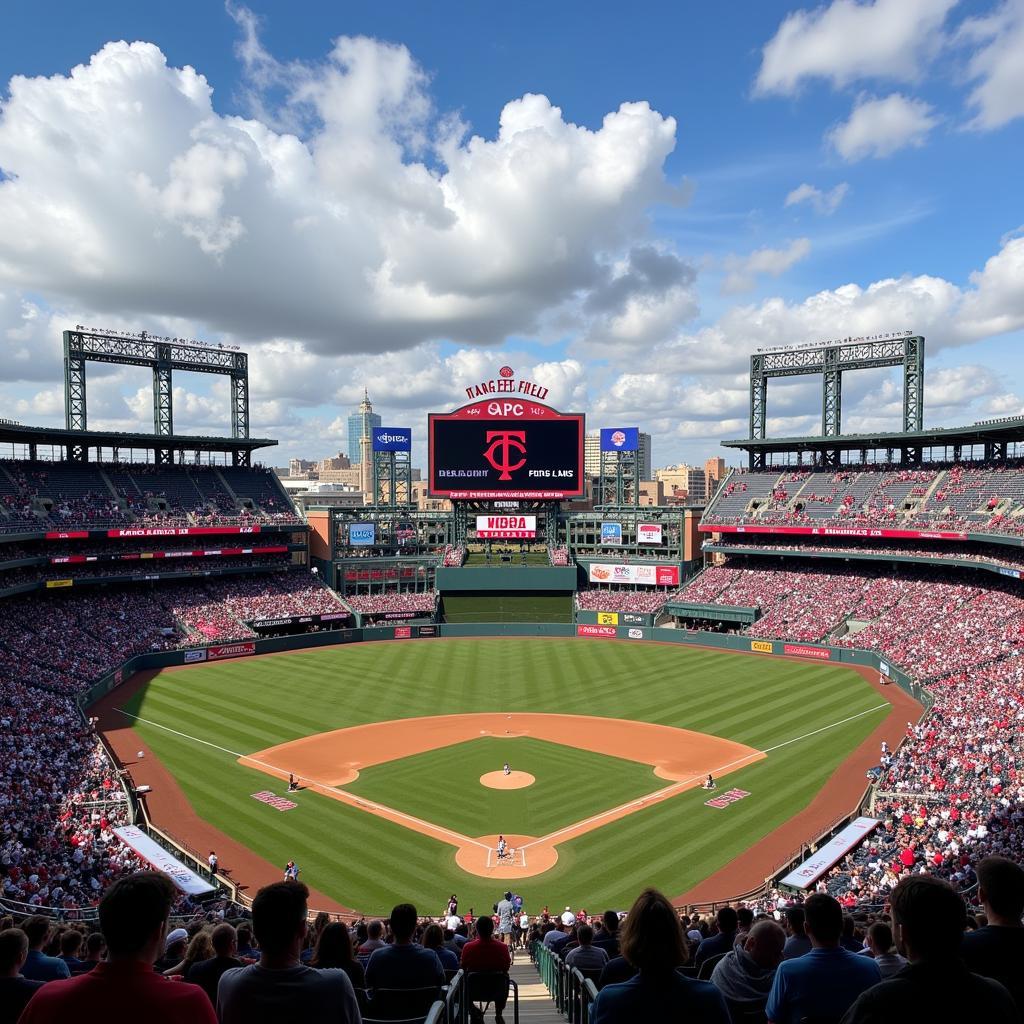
column 831, row 361
column 163, row 356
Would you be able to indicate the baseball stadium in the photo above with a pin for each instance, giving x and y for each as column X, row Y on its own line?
column 513, row 676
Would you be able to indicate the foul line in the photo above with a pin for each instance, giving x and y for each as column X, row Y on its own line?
column 663, row 794
column 345, row 797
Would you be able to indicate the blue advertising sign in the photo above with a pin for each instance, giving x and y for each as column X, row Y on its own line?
column 611, row 533
column 392, row 439
column 620, row 439
column 362, row 534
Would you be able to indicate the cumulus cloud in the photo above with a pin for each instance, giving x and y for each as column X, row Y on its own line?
column 380, row 225
column 997, row 66
column 743, row 272
column 846, row 41
column 880, row 127
column 821, row 202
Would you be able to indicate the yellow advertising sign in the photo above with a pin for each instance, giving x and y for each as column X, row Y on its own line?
column 764, row 646
column 59, row 583
column 607, row 618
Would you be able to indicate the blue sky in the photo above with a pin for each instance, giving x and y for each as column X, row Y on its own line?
column 350, row 236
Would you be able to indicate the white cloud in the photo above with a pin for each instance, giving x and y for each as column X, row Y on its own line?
column 997, row 66
column 847, row 41
column 381, row 227
column 742, row 272
column 880, row 127
column 822, row 202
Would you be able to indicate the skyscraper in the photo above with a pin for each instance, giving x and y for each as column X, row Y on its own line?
column 361, row 422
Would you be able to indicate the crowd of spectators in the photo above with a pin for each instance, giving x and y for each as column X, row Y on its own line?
column 453, row 555
column 410, row 602
column 558, row 554
column 59, row 794
column 614, row 600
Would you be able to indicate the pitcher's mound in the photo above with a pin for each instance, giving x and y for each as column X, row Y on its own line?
column 514, row 780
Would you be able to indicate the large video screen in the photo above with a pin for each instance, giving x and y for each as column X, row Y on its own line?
column 484, row 459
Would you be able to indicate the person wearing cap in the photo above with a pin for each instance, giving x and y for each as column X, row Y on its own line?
column 133, row 918
column 568, row 917
column 174, row 951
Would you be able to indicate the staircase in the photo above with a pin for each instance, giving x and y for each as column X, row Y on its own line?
column 535, row 1003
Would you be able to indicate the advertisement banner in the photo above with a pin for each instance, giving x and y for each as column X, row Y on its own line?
column 803, row 651
column 506, row 527
column 633, row 619
column 403, row 632
column 762, row 646
column 804, row 876
column 181, row 875
column 240, row 650
column 648, row 533
column 620, row 439
column 606, row 631
column 608, row 618
column 645, row 575
column 67, row 535
column 837, row 531
column 636, row 634
column 59, row 583
column 134, row 556
column 427, row 630
column 193, row 656
column 174, row 531
column 611, row 533
column 362, row 534
column 392, row 439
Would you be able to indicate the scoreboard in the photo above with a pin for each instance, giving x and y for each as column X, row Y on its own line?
column 508, row 448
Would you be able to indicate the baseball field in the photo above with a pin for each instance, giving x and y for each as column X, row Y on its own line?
column 399, row 750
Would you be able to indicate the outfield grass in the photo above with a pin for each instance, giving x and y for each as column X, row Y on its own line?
column 364, row 861
column 571, row 785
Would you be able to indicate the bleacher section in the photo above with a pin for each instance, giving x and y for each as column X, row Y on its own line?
column 955, row 498
column 63, row 495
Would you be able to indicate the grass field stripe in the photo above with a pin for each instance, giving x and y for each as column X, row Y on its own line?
column 668, row 791
column 183, row 735
column 825, row 728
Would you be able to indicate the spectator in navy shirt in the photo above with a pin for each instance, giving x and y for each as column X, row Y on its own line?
column 15, row 989
column 39, row 967
column 405, row 964
column 824, row 982
column 608, row 937
column 433, row 939
column 997, row 950
column 722, row 943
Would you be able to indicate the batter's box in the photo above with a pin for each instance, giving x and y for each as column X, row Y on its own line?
column 513, row 857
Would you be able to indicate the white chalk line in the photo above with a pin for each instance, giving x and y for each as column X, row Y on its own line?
column 361, row 801
column 667, row 791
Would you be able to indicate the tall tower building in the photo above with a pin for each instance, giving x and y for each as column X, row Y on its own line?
column 365, row 417
column 361, row 422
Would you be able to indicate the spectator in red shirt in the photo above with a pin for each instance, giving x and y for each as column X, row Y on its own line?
column 486, row 954
column 133, row 917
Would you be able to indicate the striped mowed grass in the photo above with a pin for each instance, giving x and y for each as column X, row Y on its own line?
column 363, row 861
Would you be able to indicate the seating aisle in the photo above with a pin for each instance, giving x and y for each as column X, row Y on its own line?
column 535, row 1005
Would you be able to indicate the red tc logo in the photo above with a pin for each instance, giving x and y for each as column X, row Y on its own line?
column 499, row 454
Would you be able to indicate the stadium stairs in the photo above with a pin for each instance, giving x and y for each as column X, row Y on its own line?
column 535, row 1003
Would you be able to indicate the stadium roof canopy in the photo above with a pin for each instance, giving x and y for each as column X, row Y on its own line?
column 77, row 442
column 993, row 435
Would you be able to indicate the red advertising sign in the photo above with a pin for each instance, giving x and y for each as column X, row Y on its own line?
column 605, row 631
column 240, row 650
column 667, row 575
column 67, row 534
column 837, row 531
column 130, row 556
column 172, row 531
column 403, row 632
column 803, row 651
